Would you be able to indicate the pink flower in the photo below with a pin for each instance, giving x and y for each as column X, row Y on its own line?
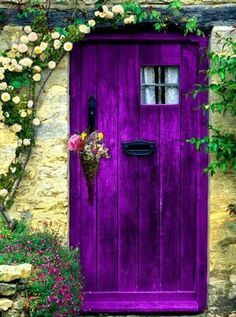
column 75, row 143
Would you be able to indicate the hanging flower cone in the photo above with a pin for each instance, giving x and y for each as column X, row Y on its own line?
column 90, row 168
column 90, row 148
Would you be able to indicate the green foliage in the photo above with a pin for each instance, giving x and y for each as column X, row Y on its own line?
column 222, row 145
column 222, row 75
column 191, row 26
column 55, row 287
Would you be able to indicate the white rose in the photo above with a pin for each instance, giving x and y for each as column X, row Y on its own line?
column 11, row 68
column 91, row 23
column 84, row 29
column 16, row 127
column 24, row 39
column 68, row 46
column 2, row 70
column 14, row 62
column 33, row 37
column 18, row 68
column 16, row 99
column 51, row 65
column 26, row 142
column 37, row 68
column 3, row 86
column 6, row 61
column 30, row 104
column 2, row 76
column 36, row 121
column 118, row 9
column 105, row 8
column 43, row 45
column 27, row 62
column 27, row 29
column 57, row 44
column 3, row 192
column 55, row 35
column 14, row 47
column 130, row 19
column 22, row 48
column 37, row 77
column 5, row 96
column 23, row 114
column 109, row 15
column 19, row 142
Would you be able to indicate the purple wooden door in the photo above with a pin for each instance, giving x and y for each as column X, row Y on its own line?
column 144, row 240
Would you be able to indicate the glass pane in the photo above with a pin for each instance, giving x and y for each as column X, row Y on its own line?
column 148, row 75
column 171, row 75
column 171, row 95
column 148, row 95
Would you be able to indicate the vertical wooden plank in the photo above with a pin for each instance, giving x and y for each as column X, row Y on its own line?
column 202, row 186
column 149, row 206
column 128, row 172
column 169, row 183
column 107, row 180
column 149, row 186
column 88, row 211
column 189, row 168
column 74, row 169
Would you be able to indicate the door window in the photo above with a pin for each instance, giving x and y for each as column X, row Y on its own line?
column 159, row 85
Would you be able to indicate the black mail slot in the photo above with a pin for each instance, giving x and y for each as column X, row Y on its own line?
column 138, row 147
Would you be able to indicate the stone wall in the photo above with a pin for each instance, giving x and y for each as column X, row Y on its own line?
column 43, row 194
column 13, row 300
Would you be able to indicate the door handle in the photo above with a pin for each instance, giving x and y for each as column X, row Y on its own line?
column 139, row 148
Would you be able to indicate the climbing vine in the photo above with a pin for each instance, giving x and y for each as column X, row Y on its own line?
column 39, row 51
column 221, row 143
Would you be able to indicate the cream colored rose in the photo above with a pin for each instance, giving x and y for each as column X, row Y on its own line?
column 14, row 62
column 27, row 29
column 23, row 114
column 2, row 76
column 11, row 68
column 68, row 46
column 22, row 48
column 109, row 15
column 130, row 19
column 3, row 86
column 24, row 39
column 52, row 65
column 26, row 142
column 43, row 56
column 43, row 45
column 55, row 35
column 5, row 96
column 18, row 68
column 33, row 37
column 36, row 121
column 11, row 54
column 57, row 44
column 2, row 70
column 30, row 103
column 14, row 47
column 6, row 61
column 16, row 99
column 37, row 68
column 37, row 77
column 118, row 9
column 16, row 127
column 84, row 29
column 27, row 62
column 105, row 8
column 38, row 50
column 19, row 142
column 91, row 23
column 3, row 192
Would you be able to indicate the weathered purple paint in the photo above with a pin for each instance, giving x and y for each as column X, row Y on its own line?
column 144, row 241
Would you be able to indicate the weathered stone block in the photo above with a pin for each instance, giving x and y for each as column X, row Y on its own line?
column 7, row 289
column 5, row 304
column 10, row 273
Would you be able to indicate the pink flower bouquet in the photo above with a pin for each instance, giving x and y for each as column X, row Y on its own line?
column 91, row 149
